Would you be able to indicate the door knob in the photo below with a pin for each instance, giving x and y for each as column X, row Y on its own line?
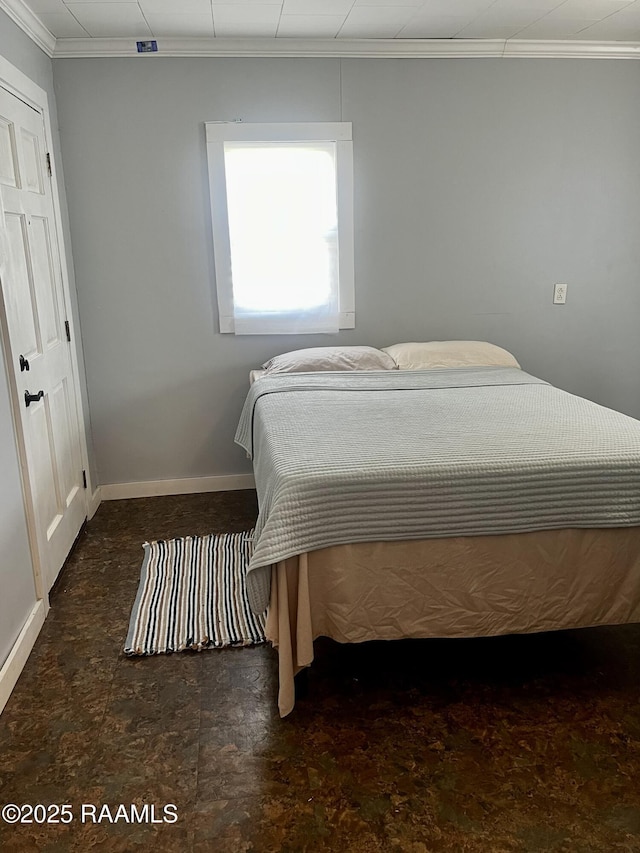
column 24, row 364
column 32, row 398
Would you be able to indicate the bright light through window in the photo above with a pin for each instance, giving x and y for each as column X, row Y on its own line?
column 282, row 224
column 281, row 202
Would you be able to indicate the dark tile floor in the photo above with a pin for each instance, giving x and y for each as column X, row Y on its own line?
column 507, row 744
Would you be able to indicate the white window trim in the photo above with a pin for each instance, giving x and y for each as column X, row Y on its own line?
column 217, row 133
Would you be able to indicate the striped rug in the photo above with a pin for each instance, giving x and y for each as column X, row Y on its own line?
column 192, row 595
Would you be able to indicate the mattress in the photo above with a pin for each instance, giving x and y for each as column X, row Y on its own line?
column 256, row 374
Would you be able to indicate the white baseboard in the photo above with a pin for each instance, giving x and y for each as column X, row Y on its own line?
column 21, row 650
column 189, row 486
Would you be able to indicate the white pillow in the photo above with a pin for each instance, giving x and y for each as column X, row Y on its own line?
column 330, row 358
column 424, row 356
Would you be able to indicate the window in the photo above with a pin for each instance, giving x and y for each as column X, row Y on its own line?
column 282, row 216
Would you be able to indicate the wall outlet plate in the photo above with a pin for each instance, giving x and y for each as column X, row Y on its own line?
column 559, row 294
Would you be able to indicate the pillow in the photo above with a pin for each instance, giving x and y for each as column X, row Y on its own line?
column 330, row 358
column 423, row 356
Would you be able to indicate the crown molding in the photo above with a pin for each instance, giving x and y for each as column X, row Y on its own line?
column 572, row 49
column 392, row 48
column 29, row 22
column 283, row 47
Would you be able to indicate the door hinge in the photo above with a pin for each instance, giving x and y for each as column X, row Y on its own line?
column 49, row 164
column 84, row 479
column 67, row 330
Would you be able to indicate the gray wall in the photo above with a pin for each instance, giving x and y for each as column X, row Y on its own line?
column 18, row 49
column 479, row 184
column 17, row 593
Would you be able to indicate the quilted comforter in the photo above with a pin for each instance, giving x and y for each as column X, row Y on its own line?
column 390, row 455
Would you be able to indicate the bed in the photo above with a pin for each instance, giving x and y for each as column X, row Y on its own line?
column 438, row 501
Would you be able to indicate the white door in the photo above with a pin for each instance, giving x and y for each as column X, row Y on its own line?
column 40, row 352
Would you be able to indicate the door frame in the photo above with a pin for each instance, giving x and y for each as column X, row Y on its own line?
column 18, row 84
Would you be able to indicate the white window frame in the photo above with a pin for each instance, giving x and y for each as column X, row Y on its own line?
column 217, row 133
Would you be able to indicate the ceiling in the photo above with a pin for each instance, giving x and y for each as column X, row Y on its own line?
column 579, row 20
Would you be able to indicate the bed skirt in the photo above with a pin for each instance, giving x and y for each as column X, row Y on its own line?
column 474, row 586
